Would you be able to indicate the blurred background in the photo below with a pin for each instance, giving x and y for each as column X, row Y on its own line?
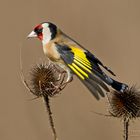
column 108, row 28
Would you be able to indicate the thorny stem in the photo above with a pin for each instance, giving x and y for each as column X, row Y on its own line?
column 47, row 103
column 126, row 127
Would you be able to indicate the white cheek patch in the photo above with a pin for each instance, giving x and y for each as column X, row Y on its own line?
column 46, row 33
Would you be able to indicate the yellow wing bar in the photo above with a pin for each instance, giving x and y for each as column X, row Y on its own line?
column 76, row 72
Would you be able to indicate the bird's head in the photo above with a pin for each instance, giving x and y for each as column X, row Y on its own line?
column 45, row 32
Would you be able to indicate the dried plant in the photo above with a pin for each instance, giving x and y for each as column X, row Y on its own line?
column 45, row 81
column 125, row 106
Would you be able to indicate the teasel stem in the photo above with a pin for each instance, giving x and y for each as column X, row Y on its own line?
column 51, row 121
column 126, row 128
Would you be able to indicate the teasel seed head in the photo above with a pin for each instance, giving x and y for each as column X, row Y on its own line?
column 125, row 105
column 46, row 80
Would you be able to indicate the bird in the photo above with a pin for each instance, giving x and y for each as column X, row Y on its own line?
column 75, row 59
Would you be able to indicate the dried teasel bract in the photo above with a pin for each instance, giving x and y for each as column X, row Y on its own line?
column 125, row 105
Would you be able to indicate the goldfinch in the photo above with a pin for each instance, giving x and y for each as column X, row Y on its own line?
column 75, row 59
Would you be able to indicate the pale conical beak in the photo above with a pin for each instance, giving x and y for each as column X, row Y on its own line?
column 32, row 34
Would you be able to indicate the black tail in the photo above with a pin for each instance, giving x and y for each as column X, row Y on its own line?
column 119, row 86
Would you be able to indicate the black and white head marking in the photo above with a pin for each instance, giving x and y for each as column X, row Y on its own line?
column 49, row 32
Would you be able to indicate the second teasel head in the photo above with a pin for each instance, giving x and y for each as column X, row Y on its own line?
column 125, row 105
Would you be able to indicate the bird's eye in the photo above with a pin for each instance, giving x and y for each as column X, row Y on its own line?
column 38, row 31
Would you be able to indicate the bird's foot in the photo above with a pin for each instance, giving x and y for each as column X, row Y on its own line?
column 67, row 82
column 61, row 86
column 61, row 76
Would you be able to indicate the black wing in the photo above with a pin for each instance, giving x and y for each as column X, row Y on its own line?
column 91, row 56
column 85, row 68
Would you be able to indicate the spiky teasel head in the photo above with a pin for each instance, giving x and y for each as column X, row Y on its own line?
column 125, row 105
column 45, row 80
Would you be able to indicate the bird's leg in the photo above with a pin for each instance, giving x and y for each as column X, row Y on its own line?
column 59, row 85
column 69, row 78
column 62, row 84
column 60, row 72
column 61, row 75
